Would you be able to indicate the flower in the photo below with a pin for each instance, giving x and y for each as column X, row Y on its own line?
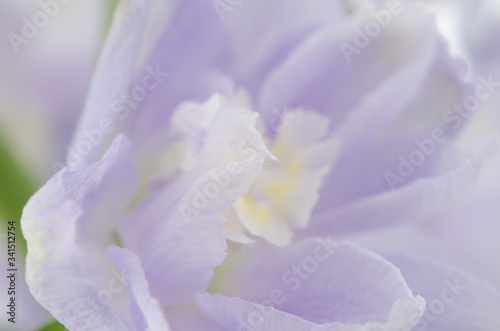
column 215, row 163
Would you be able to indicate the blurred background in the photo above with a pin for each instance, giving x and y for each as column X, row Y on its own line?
column 45, row 70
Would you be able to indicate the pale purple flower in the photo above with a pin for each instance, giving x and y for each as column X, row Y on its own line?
column 219, row 166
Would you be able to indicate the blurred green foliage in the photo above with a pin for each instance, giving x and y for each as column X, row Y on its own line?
column 54, row 326
column 15, row 190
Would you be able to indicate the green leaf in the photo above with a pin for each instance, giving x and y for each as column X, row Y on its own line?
column 53, row 326
column 15, row 189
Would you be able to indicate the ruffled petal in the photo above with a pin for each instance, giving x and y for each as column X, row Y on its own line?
column 416, row 201
column 379, row 104
column 471, row 226
column 456, row 300
column 237, row 314
column 112, row 80
column 176, row 230
column 68, row 224
column 314, row 283
column 146, row 310
column 29, row 314
column 190, row 318
column 200, row 51
column 330, row 85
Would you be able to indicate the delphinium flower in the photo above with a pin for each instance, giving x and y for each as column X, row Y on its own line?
column 224, row 154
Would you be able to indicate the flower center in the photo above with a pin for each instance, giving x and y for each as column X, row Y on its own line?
column 282, row 191
column 284, row 195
